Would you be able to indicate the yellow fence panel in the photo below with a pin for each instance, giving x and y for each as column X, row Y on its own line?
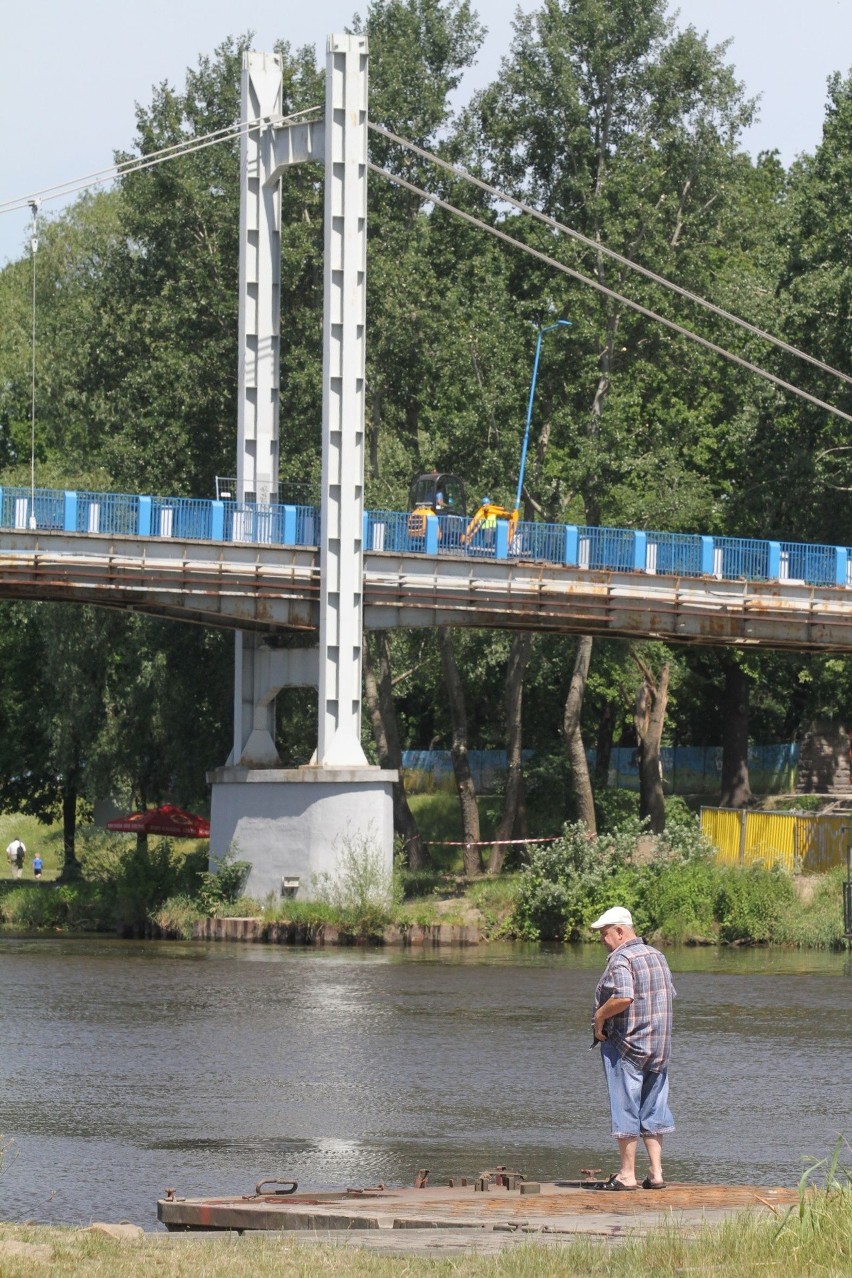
column 799, row 844
column 770, row 839
column 723, row 826
column 822, row 842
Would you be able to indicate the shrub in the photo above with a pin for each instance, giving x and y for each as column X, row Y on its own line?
column 220, row 888
column 817, row 923
column 749, row 903
column 678, row 899
column 138, row 877
column 568, row 882
column 679, row 895
column 615, row 808
column 684, row 840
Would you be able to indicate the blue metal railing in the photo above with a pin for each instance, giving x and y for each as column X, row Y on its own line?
column 114, row 514
column 607, row 549
column 539, row 542
column 388, row 530
column 675, row 554
column 590, row 549
column 816, row 565
column 183, row 517
column 16, row 508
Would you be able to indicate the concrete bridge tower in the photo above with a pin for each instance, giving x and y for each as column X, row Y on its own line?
column 292, row 824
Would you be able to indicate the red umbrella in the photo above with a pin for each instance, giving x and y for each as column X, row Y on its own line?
column 167, row 820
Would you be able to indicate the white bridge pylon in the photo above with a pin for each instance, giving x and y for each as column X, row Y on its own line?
column 293, row 825
column 339, row 141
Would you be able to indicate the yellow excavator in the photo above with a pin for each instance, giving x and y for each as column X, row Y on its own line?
column 438, row 493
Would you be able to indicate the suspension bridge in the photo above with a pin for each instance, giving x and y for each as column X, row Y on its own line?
column 262, row 569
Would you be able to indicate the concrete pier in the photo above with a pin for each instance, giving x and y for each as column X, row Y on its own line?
column 295, row 824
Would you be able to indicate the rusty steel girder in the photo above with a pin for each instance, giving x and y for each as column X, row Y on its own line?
column 276, row 588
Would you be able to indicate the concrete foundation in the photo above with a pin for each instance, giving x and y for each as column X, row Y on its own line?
column 293, row 824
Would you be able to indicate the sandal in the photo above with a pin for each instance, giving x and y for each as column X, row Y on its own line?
column 647, row 1183
column 614, row 1184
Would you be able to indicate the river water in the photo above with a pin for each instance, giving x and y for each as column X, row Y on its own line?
column 127, row 1067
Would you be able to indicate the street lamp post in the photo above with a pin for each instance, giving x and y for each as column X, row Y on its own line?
column 541, row 332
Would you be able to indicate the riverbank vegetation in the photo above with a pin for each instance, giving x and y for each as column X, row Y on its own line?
column 815, row 1239
column 672, row 883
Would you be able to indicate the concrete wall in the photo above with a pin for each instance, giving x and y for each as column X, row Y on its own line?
column 294, row 823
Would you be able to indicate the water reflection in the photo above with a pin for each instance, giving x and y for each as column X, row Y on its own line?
column 127, row 1067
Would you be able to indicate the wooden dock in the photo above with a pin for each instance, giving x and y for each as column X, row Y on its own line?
column 507, row 1205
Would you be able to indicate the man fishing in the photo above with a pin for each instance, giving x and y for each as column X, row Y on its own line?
column 633, row 1022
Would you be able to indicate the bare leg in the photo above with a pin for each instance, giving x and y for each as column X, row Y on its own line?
column 654, row 1146
column 627, row 1150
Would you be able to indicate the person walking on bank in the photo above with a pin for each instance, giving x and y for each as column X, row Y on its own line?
column 633, row 1023
column 15, row 855
column 38, row 865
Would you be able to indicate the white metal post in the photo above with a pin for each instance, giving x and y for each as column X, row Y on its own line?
column 260, row 282
column 289, row 823
column 344, row 331
column 258, row 376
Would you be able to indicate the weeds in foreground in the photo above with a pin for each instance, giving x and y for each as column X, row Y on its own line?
column 817, row 1207
column 177, row 916
column 361, row 891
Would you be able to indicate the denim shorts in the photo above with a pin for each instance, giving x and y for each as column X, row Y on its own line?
column 639, row 1102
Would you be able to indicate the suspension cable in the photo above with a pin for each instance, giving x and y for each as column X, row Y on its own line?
column 505, row 198
column 608, row 292
column 220, row 135
column 174, row 151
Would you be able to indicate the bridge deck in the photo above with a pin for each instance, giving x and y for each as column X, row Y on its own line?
column 272, row 587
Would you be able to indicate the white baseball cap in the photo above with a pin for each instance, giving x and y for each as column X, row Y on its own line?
column 617, row 915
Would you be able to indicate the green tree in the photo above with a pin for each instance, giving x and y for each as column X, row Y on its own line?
column 806, row 460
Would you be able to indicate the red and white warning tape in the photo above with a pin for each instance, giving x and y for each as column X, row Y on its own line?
column 487, row 843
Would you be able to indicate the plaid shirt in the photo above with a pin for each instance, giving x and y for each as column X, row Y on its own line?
column 642, row 1033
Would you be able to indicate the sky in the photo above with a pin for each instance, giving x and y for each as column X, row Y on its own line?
column 74, row 69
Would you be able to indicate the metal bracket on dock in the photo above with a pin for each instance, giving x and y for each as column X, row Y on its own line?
column 291, row 1185
column 503, row 1177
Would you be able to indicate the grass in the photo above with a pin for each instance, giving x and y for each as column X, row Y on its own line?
column 814, row 923
column 46, row 839
column 438, row 817
column 119, row 886
column 815, row 1240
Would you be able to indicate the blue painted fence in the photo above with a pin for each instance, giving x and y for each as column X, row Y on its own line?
column 571, row 545
column 698, row 769
column 686, row 769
